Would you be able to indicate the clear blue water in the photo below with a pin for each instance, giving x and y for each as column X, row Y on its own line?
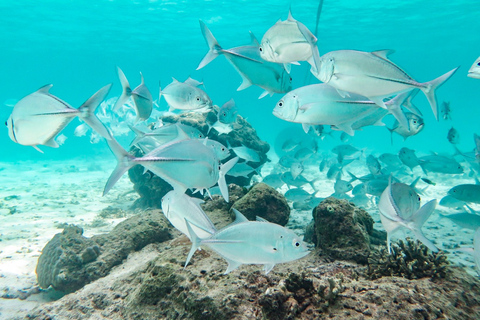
column 76, row 45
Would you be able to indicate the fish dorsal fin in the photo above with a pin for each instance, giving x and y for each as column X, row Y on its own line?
column 260, row 219
column 383, row 53
column 264, row 93
column 253, row 40
column 306, row 127
column 193, row 82
column 290, row 17
column 182, row 135
column 174, row 80
column 142, row 80
column 45, row 89
column 239, row 217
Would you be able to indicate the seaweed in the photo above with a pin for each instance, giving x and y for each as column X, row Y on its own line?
column 409, row 259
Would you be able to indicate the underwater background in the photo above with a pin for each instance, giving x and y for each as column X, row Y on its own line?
column 76, row 46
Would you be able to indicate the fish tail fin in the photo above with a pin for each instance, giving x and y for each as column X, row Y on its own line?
column 214, row 47
column 195, row 242
column 139, row 134
column 222, row 184
column 314, row 60
column 126, row 90
column 87, row 112
column 419, row 218
column 352, row 176
column 429, row 89
column 124, row 162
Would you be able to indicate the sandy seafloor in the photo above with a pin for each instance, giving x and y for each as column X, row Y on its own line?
column 36, row 198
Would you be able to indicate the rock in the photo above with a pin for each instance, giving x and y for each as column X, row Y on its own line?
column 266, row 202
column 152, row 188
column 70, row 260
column 342, row 231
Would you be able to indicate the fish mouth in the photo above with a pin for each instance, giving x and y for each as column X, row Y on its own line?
column 474, row 75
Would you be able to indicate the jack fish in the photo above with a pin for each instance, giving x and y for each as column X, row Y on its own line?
column 186, row 96
column 251, row 242
column 39, row 117
column 474, row 71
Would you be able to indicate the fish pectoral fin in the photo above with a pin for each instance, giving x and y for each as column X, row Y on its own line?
column 245, row 84
column 288, row 67
column 37, row 148
column 343, row 93
column 264, row 93
column 232, row 265
column 306, row 127
column 268, row 267
column 51, row 143
column 346, row 127
column 379, row 102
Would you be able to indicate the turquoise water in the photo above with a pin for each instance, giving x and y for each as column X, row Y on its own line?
column 76, row 45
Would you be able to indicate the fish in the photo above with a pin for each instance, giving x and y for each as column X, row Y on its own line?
column 303, row 154
column 334, row 170
column 428, row 181
column 399, row 207
column 186, row 96
column 321, row 104
column 376, row 187
column 297, row 194
column 296, row 169
column 148, row 141
column 61, row 139
column 179, row 208
column 464, row 219
column 289, row 145
column 341, row 186
column 40, row 116
column 451, row 202
column 373, row 75
column 440, row 164
column 373, row 165
column 271, row 77
column 221, row 128
column 242, row 170
column 446, row 111
column 466, row 192
column 273, row 180
column 245, row 153
column 184, row 164
column 415, row 126
column 80, row 130
column 390, row 159
column 251, row 242
column 228, row 112
column 142, row 98
column 286, row 161
column 346, row 150
column 453, row 136
column 298, row 182
column 474, row 71
column 288, row 42
column 408, row 157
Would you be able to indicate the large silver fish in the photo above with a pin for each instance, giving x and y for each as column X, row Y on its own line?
column 440, row 164
column 288, row 42
column 399, row 207
column 39, row 117
column 228, row 112
column 184, row 164
column 322, row 104
column 186, row 96
column 474, row 71
column 142, row 98
column 269, row 76
column 374, row 76
column 252, row 242
column 179, row 208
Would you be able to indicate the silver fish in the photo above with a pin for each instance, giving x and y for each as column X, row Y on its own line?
column 440, row 164
column 390, row 159
column 273, row 180
column 242, row 170
column 466, row 192
column 288, row 42
column 179, row 208
column 373, row 165
column 297, row 194
column 399, row 207
column 299, row 181
column 245, row 153
column 474, row 71
column 376, row 187
column 296, row 169
column 148, row 141
column 415, row 126
column 246, row 60
column 40, row 116
column 186, row 96
column 251, row 242
column 142, row 98
column 184, row 164
column 374, row 76
column 228, row 112
column 464, row 219
column 451, row 202
column 453, row 136
column 341, row 186
column 408, row 157
column 321, row 104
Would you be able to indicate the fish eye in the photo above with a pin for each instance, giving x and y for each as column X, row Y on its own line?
column 198, row 98
column 223, row 148
column 297, row 244
column 290, row 79
column 414, row 121
column 478, row 64
column 274, row 249
column 280, row 103
column 6, row 123
column 260, row 49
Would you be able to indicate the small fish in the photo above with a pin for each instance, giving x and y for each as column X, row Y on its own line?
column 341, row 186
column 228, row 112
column 474, row 71
column 297, row 194
column 245, row 153
column 179, row 208
column 286, row 161
column 390, row 159
column 242, row 170
column 289, row 145
column 373, row 165
column 464, row 219
column 288, row 42
column 334, row 170
column 408, row 158
column 446, row 111
column 251, row 242
column 142, row 98
column 80, row 130
column 453, row 136
column 296, row 169
column 161, row 135
column 466, row 192
column 376, row 187
column 373, row 75
column 303, row 154
column 221, row 128
column 345, row 138
column 298, row 182
column 415, row 126
column 40, row 116
column 346, row 150
column 428, row 181
column 61, row 139
column 273, row 180
column 440, row 164
column 451, row 202
column 399, row 207
column 186, row 96
column 272, row 77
